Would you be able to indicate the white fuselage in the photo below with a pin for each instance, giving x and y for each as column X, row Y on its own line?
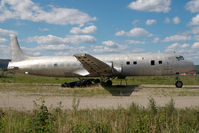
column 129, row 64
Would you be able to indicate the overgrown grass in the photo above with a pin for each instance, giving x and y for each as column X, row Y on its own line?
column 51, row 90
column 22, row 78
column 137, row 119
column 165, row 80
column 50, row 86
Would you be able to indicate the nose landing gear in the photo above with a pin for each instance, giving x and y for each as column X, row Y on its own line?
column 178, row 83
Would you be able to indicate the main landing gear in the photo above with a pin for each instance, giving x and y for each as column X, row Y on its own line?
column 106, row 82
column 178, row 83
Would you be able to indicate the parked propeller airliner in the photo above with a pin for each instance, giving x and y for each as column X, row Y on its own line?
column 105, row 67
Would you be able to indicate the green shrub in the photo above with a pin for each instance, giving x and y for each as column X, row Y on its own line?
column 42, row 120
column 170, row 107
column 134, row 119
column 90, row 127
column 152, row 106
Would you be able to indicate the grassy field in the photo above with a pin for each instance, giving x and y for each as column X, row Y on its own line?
column 50, row 86
column 46, row 86
column 134, row 119
column 165, row 80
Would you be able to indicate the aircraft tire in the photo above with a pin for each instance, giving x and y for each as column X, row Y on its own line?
column 63, row 85
column 79, row 83
column 71, row 84
column 108, row 83
column 88, row 82
column 96, row 81
column 179, row 84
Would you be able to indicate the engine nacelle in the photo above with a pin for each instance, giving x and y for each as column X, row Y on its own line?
column 115, row 69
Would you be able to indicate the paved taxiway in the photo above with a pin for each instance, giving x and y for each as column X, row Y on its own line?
column 183, row 97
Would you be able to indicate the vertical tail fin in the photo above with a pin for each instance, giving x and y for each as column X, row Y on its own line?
column 16, row 52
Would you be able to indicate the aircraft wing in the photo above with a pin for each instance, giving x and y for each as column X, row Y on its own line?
column 94, row 66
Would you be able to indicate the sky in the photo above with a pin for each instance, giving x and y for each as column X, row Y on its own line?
column 68, row 27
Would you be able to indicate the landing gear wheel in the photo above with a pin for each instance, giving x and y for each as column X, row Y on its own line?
column 88, row 82
column 64, row 85
column 179, row 84
column 109, row 83
column 96, row 81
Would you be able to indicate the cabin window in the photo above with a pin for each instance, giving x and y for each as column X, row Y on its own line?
column 180, row 58
column 152, row 62
column 160, row 62
column 135, row 62
column 128, row 62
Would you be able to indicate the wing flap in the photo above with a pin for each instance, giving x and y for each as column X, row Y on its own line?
column 93, row 65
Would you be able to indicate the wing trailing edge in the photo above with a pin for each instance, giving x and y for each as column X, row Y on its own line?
column 95, row 66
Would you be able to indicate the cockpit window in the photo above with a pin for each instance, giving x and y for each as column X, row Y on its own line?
column 180, row 58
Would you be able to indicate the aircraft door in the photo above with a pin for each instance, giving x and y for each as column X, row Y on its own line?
column 168, row 68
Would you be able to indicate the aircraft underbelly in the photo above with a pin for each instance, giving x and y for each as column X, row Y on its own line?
column 55, row 72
